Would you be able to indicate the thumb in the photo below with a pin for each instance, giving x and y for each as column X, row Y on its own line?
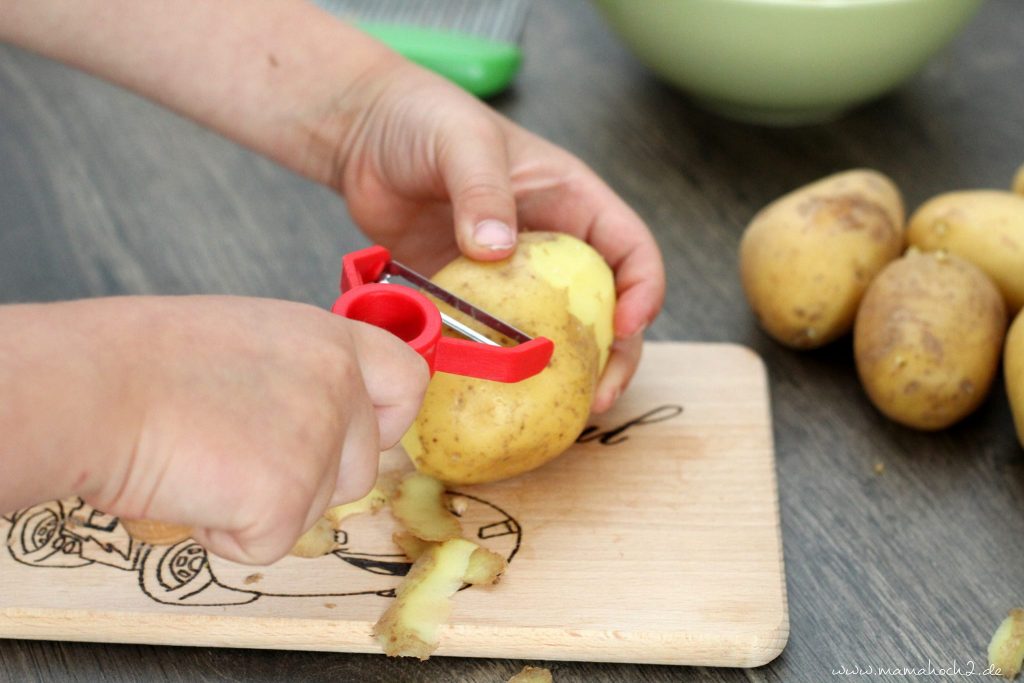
column 395, row 378
column 475, row 169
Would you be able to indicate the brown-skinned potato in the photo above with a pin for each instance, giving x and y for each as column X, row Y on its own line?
column 927, row 339
column 807, row 258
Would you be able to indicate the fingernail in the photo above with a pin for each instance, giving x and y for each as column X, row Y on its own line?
column 494, row 234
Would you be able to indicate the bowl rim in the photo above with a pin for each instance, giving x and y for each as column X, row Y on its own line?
column 837, row 4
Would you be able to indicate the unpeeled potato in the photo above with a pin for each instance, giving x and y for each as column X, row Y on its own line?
column 474, row 430
column 1013, row 368
column 807, row 258
column 927, row 339
column 986, row 227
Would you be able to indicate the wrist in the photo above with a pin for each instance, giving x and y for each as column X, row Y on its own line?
column 66, row 416
column 282, row 78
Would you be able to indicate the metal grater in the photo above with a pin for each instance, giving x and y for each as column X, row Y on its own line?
column 475, row 43
column 497, row 20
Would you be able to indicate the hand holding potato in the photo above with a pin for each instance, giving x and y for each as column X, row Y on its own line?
column 426, row 156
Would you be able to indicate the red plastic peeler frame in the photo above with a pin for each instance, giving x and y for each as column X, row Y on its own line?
column 412, row 317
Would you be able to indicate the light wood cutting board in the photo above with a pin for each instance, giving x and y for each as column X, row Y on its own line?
column 655, row 539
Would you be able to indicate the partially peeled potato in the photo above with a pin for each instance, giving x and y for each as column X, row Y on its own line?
column 470, row 430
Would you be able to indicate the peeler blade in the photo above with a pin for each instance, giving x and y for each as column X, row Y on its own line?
column 369, row 295
column 461, row 305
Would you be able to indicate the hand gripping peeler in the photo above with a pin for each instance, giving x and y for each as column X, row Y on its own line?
column 369, row 295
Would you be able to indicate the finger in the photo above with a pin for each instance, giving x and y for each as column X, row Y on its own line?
column 260, row 549
column 357, row 468
column 622, row 364
column 596, row 216
column 566, row 196
column 326, row 487
column 395, row 378
column 264, row 541
column 474, row 165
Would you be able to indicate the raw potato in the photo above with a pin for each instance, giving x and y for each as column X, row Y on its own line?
column 485, row 568
column 419, row 505
column 1013, row 368
column 484, row 565
column 1018, row 181
column 927, row 339
column 532, row 674
column 411, row 545
column 1006, row 649
column 807, row 258
column 154, row 532
column 409, row 627
column 371, row 502
column 471, row 430
column 986, row 227
column 318, row 540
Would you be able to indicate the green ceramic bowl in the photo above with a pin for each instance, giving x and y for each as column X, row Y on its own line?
column 786, row 61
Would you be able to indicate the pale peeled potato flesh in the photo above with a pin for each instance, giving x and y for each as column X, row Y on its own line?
column 1006, row 649
column 927, row 339
column 986, row 227
column 317, row 541
column 807, row 258
column 371, row 502
column 475, row 430
column 419, row 505
column 410, row 626
column 532, row 674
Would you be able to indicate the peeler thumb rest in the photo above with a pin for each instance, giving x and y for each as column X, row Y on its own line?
column 368, row 295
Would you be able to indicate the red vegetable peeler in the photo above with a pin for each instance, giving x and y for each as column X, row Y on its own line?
column 367, row 295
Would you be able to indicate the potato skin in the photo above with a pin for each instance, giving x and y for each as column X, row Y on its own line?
column 471, row 430
column 927, row 339
column 1013, row 367
column 807, row 258
column 986, row 227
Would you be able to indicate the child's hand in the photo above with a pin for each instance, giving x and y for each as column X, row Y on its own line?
column 411, row 152
column 243, row 418
column 424, row 156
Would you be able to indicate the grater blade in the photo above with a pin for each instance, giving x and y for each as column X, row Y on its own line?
column 498, row 20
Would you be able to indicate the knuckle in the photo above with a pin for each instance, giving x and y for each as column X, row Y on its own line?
column 485, row 189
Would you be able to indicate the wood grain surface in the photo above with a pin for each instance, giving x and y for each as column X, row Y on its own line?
column 902, row 549
column 660, row 529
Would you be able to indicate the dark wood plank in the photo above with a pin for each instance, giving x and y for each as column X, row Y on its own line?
column 102, row 193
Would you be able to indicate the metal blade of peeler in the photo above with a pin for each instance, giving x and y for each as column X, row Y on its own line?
column 481, row 316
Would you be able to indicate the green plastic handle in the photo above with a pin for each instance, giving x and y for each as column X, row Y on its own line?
column 483, row 67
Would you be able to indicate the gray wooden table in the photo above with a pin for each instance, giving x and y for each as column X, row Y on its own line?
column 902, row 549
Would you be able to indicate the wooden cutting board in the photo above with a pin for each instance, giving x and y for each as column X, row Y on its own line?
column 655, row 539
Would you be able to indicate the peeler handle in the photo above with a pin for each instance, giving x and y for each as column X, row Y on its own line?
column 403, row 312
column 412, row 317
